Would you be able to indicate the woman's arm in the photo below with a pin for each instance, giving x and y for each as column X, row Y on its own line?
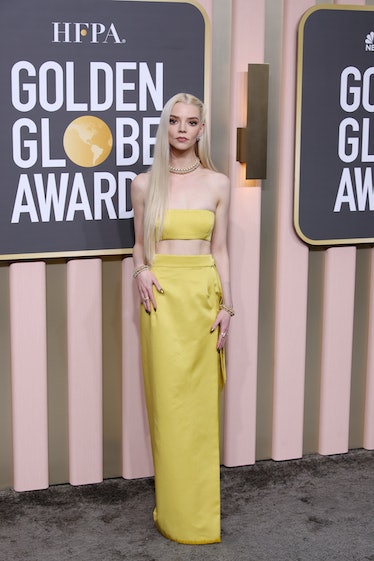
column 220, row 253
column 145, row 279
column 138, row 194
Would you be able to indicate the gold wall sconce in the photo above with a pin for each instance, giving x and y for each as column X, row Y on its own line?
column 251, row 145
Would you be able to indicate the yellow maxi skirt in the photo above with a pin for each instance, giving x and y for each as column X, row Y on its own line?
column 183, row 377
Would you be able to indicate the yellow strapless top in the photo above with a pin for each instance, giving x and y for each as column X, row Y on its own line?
column 188, row 224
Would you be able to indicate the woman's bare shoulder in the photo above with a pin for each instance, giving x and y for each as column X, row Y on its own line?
column 141, row 181
column 139, row 187
column 219, row 181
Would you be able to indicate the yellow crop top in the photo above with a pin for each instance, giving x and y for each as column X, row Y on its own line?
column 188, row 224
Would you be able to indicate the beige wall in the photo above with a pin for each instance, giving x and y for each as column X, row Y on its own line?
column 300, row 362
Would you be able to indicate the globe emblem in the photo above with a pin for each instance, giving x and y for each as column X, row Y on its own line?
column 88, row 141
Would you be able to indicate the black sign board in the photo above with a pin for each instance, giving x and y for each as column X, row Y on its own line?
column 334, row 173
column 83, row 83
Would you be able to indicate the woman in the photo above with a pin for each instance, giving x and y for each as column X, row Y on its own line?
column 181, row 212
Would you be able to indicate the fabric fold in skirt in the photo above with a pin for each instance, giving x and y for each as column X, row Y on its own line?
column 183, row 376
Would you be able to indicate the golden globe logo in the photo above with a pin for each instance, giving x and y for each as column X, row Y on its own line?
column 79, row 32
column 88, row 141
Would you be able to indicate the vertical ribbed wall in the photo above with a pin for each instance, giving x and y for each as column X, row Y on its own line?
column 300, row 354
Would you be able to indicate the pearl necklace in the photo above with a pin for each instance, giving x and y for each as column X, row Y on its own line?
column 182, row 171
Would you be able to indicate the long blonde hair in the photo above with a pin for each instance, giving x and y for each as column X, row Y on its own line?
column 157, row 196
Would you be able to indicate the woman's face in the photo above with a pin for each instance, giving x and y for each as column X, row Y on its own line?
column 184, row 126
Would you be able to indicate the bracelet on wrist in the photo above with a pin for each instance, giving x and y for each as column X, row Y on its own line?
column 227, row 309
column 139, row 270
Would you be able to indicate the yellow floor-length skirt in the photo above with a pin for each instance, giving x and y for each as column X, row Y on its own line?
column 183, row 376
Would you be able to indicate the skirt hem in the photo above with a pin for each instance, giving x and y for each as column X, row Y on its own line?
column 187, row 542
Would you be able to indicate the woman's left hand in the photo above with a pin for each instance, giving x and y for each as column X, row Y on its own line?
column 223, row 323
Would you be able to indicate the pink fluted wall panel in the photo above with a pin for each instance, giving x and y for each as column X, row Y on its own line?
column 368, row 438
column 336, row 360
column 248, row 29
column 137, row 455
column 291, row 266
column 29, row 375
column 85, row 371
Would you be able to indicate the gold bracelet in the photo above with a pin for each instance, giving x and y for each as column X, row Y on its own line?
column 139, row 270
column 227, row 309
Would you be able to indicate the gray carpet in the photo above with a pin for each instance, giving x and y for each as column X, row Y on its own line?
column 314, row 509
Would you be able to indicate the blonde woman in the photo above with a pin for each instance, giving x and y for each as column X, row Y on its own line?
column 181, row 268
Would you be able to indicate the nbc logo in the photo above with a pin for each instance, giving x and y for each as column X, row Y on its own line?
column 369, row 41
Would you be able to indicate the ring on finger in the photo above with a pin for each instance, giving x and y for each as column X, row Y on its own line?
column 224, row 334
column 146, row 299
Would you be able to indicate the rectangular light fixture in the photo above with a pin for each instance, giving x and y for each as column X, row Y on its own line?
column 251, row 147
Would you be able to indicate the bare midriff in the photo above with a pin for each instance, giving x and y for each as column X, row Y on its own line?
column 183, row 247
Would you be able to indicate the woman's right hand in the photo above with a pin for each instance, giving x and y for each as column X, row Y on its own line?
column 145, row 281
